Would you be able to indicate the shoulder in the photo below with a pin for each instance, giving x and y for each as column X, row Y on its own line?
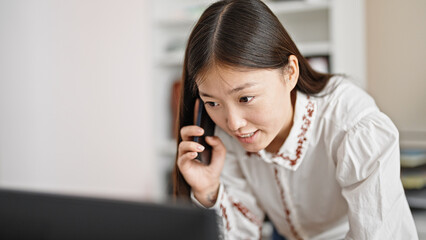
column 370, row 144
column 344, row 103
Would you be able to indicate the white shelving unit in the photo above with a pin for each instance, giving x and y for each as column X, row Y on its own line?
column 333, row 28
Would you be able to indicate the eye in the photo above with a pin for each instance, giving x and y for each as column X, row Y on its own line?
column 246, row 99
column 211, row 104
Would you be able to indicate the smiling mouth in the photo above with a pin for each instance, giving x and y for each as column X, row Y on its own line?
column 247, row 135
column 248, row 138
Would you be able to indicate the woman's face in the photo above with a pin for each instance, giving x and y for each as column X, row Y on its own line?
column 253, row 106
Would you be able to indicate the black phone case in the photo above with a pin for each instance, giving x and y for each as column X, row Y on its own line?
column 204, row 121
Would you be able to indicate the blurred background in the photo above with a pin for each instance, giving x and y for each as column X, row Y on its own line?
column 88, row 87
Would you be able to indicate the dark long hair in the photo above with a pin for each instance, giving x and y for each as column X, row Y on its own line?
column 240, row 34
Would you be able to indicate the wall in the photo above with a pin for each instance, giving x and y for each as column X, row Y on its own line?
column 396, row 53
column 75, row 98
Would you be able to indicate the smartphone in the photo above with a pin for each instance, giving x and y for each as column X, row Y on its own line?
column 203, row 120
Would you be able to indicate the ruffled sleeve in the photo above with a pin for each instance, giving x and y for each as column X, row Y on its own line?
column 368, row 170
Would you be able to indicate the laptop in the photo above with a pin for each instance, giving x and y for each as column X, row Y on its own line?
column 35, row 215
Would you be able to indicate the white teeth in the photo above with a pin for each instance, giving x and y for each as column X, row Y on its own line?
column 247, row 135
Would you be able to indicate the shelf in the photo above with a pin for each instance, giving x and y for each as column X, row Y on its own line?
column 297, row 6
column 413, row 139
column 189, row 14
column 181, row 14
column 314, row 48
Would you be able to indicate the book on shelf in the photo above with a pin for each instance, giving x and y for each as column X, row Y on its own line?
column 413, row 176
column 416, row 198
column 413, row 158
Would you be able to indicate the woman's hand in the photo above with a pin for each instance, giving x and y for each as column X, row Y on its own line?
column 203, row 179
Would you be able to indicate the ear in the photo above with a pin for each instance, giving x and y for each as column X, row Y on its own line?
column 291, row 73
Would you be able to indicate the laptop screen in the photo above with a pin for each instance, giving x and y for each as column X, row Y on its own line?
column 31, row 215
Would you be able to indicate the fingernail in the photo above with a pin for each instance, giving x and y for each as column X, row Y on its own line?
column 200, row 147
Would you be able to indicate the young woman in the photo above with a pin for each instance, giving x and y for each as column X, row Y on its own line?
column 310, row 150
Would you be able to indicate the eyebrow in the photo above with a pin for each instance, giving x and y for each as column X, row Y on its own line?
column 237, row 89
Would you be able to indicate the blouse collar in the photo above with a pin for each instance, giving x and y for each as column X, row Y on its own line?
column 295, row 146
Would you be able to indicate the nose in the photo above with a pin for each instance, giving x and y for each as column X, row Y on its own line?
column 235, row 120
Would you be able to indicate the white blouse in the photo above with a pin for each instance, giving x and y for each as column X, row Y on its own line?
column 337, row 175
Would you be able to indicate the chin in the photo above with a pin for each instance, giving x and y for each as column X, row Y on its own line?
column 253, row 148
